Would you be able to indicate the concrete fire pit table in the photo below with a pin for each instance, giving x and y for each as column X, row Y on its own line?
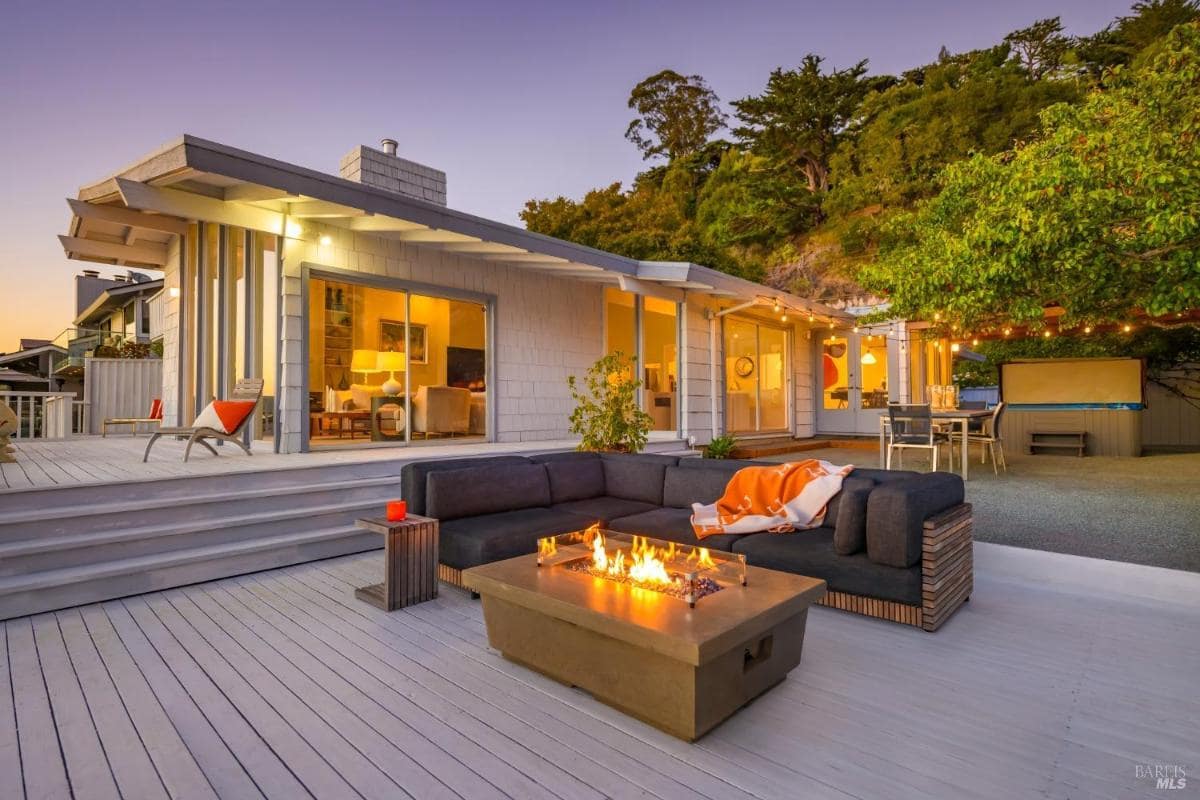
column 683, row 670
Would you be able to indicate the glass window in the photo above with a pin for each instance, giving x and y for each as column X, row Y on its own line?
column 387, row 366
column 741, row 375
column 660, row 362
column 620, row 322
column 873, row 359
column 772, row 379
column 835, row 373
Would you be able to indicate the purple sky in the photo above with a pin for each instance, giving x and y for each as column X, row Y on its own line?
column 514, row 100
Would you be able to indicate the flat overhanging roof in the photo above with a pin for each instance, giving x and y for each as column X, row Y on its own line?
column 129, row 218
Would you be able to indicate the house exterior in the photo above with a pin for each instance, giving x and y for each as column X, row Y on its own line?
column 375, row 313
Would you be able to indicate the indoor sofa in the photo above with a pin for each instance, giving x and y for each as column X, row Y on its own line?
column 894, row 544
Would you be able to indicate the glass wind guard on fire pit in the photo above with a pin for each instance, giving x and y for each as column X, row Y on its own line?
column 679, row 570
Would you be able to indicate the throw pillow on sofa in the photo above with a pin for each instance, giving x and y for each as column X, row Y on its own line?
column 850, row 521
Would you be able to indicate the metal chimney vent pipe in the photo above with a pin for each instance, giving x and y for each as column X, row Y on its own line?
column 389, row 146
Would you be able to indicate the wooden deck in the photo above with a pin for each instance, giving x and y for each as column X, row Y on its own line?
column 92, row 459
column 1059, row 678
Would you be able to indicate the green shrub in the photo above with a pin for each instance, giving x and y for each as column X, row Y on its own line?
column 606, row 413
column 720, row 447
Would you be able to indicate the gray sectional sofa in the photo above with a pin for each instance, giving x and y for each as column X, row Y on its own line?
column 894, row 544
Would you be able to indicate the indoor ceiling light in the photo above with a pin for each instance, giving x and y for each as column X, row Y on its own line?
column 868, row 358
column 326, row 240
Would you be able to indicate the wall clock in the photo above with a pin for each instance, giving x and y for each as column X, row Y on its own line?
column 744, row 367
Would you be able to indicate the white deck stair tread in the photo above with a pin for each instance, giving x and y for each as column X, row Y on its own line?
column 37, row 515
column 141, row 564
column 44, row 544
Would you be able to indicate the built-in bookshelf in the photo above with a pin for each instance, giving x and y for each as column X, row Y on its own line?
column 339, row 335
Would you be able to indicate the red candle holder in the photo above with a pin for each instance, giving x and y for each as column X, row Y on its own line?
column 397, row 510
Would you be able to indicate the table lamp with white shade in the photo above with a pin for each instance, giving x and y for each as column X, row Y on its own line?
column 365, row 361
column 390, row 362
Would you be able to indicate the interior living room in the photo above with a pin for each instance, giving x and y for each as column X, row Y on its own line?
column 392, row 365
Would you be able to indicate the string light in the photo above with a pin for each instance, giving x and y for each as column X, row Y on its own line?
column 1046, row 334
column 784, row 317
column 974, row 343
column 954, row 348
column 1007, row 331
column 1087, row 329
column 776, row 306
column 1127, row 328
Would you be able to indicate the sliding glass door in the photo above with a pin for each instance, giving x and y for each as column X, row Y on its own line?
column 391, row 365
column 757, row 371
column 647, row 328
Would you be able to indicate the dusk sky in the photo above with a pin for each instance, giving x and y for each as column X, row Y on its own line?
column 513, row 100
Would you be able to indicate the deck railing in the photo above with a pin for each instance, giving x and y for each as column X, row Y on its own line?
column 41, row 415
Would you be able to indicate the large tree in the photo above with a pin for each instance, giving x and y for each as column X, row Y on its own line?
column 677, row 115
column 802, row 115
column 1100, row 214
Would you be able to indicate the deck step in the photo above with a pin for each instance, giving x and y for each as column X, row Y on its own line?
column 47, row 590
column 46, row 552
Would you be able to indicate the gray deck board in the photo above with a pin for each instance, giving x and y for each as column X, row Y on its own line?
column 10, row 749
column 1054, row 682
column 87, row 764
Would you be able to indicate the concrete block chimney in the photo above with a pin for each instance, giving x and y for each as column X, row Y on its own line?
column 383, row 169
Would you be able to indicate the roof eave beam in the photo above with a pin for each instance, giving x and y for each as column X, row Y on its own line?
column 187, row 205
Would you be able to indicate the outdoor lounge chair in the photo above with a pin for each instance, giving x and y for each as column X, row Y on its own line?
column 246, row 389
column 153, row 418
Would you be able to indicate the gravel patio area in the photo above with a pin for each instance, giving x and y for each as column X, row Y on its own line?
column 1141, row 510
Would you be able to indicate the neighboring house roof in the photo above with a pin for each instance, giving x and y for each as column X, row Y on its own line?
column 21, row 355
column 129, row 218
column 116, row 297
column 13, row 376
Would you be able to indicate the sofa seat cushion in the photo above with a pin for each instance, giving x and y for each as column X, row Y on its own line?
column 674, row 525
column 471, row 541
column 457, row 493
column 604, row 509
column 811, row 553
column 636, row 477
column 573, row 476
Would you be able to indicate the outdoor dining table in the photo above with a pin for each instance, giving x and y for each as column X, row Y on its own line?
column 962, row 416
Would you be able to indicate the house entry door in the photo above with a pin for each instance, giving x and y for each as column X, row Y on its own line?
column 757, row 378
column 852, row 380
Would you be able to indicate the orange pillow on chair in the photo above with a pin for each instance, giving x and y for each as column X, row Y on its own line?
column 156, row 409
column 224, row 415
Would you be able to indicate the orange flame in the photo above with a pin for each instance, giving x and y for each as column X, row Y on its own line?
column 646, row 563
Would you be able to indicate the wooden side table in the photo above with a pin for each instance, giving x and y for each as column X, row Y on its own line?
column 410, row 558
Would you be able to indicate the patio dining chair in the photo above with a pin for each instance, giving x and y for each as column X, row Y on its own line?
column 223, row 420
column 911, row 427
column 989, row 439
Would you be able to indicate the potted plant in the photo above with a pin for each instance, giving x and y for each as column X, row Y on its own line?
column 720, row 447
column 606, row 414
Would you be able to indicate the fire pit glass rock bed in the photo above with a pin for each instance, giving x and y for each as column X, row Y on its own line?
column 679, row 637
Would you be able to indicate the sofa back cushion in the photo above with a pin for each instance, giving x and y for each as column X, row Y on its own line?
column 683, row 486
column 413, row 476
column 896, row 514
column 471, row 492
column 849, row 519
column 636, row 477
column 573, row 476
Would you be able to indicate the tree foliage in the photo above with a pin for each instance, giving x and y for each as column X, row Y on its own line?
column 1042, row 169
column 1100, row 214
column 676, row 115
column 802, row 116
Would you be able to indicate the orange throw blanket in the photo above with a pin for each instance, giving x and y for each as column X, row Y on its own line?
column 779, row 499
